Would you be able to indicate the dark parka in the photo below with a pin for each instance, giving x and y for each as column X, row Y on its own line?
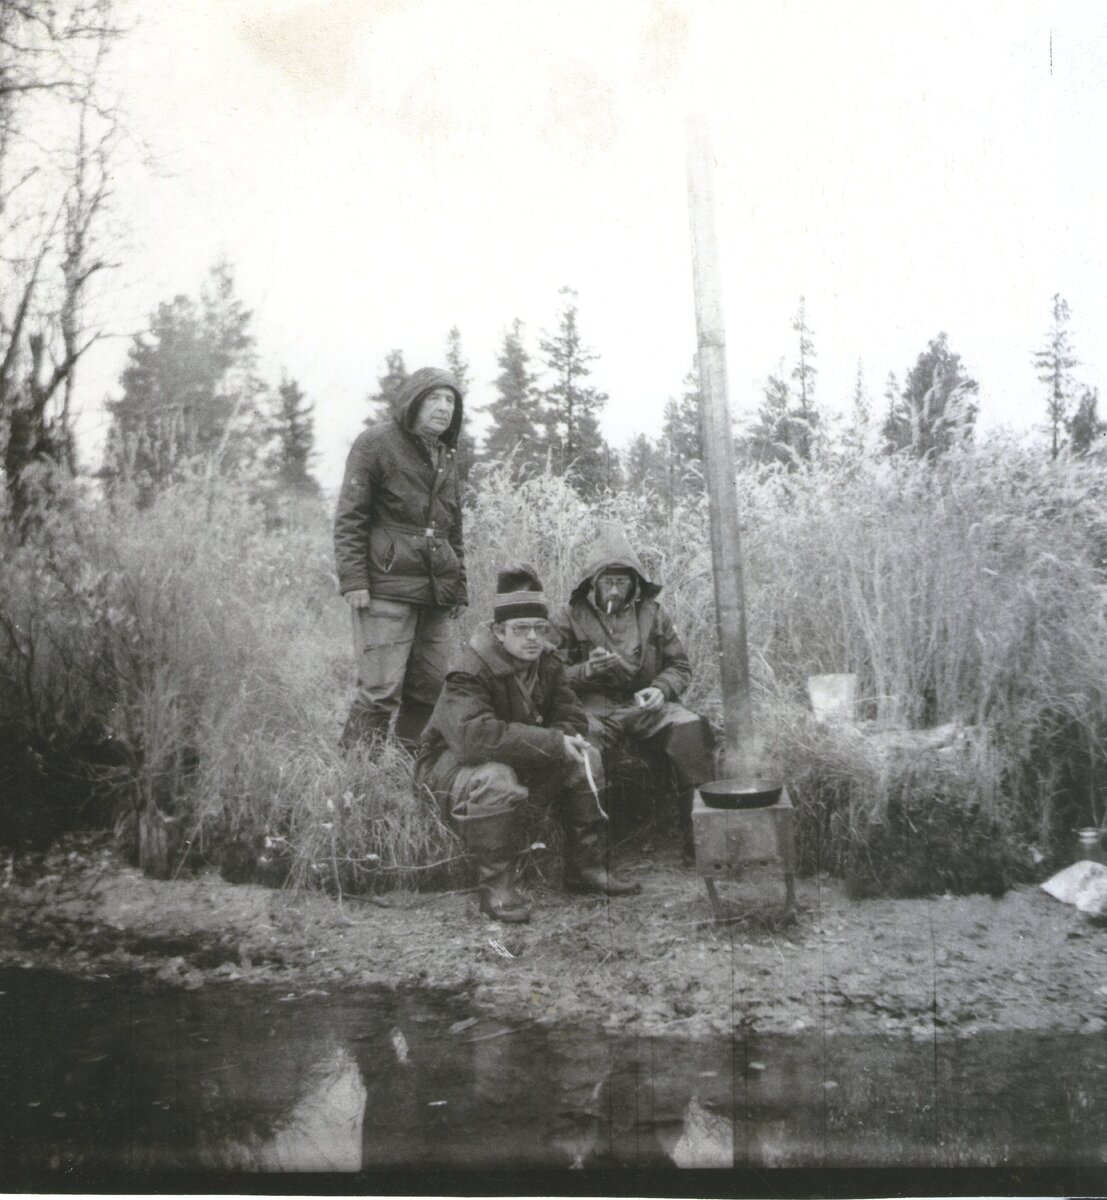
column 662, row 661
column 484, row 714
column 397, row 528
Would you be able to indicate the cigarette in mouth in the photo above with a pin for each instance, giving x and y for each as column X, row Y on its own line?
column 609, row 608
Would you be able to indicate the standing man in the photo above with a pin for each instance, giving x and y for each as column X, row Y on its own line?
column 400, row 557
column 627, row 664
column 507, row 728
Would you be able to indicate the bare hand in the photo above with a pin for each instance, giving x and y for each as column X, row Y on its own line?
column 357, row 599
column 601, row 661
column 649, row 699
column 456, row 611
column 576, row 747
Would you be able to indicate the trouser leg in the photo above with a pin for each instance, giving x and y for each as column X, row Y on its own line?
column 383, row 634
column 587, row 856
column 685, row 739
column 484, row 804
column 426, row 669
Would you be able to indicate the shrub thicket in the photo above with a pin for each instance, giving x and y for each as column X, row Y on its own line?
column 191, row 659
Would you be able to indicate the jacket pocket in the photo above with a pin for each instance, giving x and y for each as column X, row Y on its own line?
column 393, row 552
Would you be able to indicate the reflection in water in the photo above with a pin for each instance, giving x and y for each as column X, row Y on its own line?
column 707, row 1140
column 111, row 1075
column 322, row 1132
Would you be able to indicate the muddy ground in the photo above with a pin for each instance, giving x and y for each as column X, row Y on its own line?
column 653, row 963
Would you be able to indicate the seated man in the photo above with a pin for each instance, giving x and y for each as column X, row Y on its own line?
column 507, row 727
column 627, row 664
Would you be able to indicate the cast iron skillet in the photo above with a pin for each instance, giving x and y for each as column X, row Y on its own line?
column 741, row 793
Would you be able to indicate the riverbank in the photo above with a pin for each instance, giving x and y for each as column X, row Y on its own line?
column 653, row 964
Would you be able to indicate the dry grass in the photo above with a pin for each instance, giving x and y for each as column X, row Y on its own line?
column 191, row 657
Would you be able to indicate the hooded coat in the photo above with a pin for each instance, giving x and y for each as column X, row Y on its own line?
column 397, row 527
column 484, row 713
column 659, row 660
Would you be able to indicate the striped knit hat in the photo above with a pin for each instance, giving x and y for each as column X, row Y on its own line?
column 518, row 594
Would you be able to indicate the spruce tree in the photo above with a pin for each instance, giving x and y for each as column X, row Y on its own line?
column 384, row 402
column 859, row 420
column 683, row 435
column 805, row 418
column 572, row 407
column 458, row 366
column 516, row 429
column 1085, row 429
column 293, row 429
column 935, row 411
column 190, row 391
column 1055, row 361
column 773, row 437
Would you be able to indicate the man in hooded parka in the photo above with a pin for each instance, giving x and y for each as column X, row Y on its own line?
column 627, row 664
column 400, row 557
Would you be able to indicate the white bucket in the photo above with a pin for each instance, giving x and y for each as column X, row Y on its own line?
column 833, row 697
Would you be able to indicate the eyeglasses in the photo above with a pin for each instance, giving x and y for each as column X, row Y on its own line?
column 526, row 628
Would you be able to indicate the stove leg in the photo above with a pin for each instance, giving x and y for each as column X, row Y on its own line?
column 713, row 896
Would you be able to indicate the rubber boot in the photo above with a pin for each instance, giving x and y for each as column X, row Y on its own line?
column 411, row 720
column 492, row 839
column 586, row 869
column 365, row 727
column 499, row 898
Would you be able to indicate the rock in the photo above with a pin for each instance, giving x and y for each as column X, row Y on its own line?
column 1084, row 885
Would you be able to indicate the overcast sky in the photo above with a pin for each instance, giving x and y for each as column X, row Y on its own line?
column 379, row 170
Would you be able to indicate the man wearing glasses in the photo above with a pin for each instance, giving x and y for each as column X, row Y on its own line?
column 507, row 729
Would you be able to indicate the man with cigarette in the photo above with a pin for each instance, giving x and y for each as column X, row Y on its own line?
column 507, row 729
column 628, row 666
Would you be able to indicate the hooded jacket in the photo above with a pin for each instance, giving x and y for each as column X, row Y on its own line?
column 484, row 713
column 397, row 527
column 659, row 660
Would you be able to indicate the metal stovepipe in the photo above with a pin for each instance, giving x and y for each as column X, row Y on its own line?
column 718, row 449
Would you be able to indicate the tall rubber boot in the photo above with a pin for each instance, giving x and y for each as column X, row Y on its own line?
column 411, row 720
column 586, row 867
column 492, row 839
column 365, row 727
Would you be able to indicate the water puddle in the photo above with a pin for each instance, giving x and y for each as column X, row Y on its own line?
column 112, row 1075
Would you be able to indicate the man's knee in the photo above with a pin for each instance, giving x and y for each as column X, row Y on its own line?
column 487, row 788
column 676, row 714
column 577, row 774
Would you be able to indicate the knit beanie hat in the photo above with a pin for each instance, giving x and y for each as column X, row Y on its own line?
column 518, row 594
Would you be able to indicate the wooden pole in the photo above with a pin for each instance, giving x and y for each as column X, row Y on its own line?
column 718, row 447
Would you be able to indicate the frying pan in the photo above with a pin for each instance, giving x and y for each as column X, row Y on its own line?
column 741, row 793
